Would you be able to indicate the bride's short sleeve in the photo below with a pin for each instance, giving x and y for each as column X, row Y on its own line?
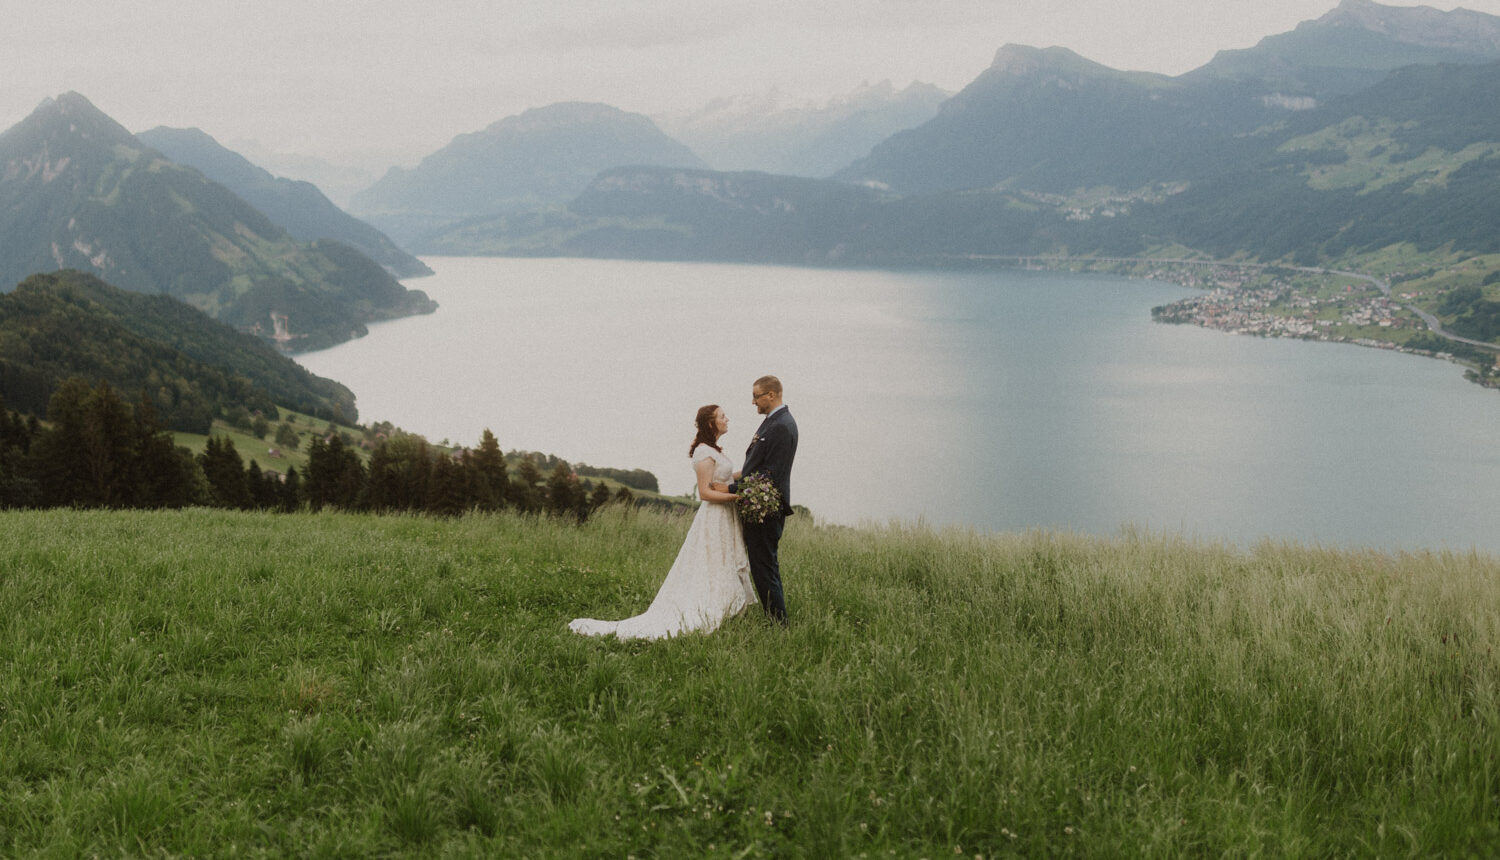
column 701, row 453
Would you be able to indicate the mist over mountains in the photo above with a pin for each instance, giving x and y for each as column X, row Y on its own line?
column 299, row 207
column 337, row 180
column 772, row 134
column 1371, row 126
column 535, row 159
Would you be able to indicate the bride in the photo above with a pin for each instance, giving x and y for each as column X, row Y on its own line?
column 710, row 580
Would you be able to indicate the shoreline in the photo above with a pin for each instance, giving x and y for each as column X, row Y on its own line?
column 1242, row 298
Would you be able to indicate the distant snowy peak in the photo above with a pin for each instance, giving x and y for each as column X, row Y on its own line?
column 775, row 132
column 776, row 106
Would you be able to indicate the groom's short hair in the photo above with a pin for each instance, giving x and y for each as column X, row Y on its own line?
column 769, row 384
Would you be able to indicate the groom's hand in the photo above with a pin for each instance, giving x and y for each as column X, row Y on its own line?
column 723, row 488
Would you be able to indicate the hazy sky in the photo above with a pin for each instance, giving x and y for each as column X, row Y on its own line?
column 377, row 82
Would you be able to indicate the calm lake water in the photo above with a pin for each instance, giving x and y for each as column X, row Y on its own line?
column 1001, row 400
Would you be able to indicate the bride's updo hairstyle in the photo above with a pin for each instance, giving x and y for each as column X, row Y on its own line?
column 708, row 434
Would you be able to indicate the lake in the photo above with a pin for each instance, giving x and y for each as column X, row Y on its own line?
column 1004, row 400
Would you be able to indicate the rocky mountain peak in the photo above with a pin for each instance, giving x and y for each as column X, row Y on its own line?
column 70, row 115
column 65, row 137
column 1023, row 60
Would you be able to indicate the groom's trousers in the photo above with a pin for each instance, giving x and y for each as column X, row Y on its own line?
column 762, row 541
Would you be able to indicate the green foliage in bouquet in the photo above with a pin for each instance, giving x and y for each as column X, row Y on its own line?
column 759, row 498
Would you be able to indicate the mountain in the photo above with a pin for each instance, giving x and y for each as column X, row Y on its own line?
column 298, row 207
column 1355, row 45
column 191, row 367
column 1051, row 121
column 677, row 214
column 538, row 158
column 339, row 181
column 1047, row 152
column 79, row 191
column 1413, row 160
column 768, row 134
column 659, row 213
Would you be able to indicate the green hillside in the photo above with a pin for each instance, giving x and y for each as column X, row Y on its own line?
column 192, row 368
column 299, row 207
column 209, row 683
column 79, row 191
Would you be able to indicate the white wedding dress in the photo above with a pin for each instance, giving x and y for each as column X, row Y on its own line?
column 709, row 581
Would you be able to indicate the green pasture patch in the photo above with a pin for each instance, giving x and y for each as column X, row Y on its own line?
column 199, row 682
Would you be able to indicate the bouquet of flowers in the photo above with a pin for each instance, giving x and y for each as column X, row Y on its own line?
column 759, row 498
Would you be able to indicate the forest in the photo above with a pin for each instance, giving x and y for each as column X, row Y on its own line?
column 98, row 450
column 192, row 367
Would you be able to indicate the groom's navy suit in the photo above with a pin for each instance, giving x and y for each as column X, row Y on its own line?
column 771, row 451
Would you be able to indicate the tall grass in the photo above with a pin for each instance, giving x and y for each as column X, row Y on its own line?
column 227, row 684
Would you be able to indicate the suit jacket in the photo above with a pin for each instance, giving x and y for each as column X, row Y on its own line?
column 772, row 449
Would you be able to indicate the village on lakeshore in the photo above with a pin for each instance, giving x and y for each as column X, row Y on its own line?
column 1333, row 307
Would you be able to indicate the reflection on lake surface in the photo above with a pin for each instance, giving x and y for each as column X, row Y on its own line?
column 999, row 400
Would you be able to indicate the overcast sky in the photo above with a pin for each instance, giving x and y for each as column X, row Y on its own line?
column 375, row 82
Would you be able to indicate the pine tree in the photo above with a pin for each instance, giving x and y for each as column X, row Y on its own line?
column 564, row 496
column 332, row 480
column 226, row 473
column 351, row 475
column 450, row 489
column 166, row 475
column 10, row 467
column 12, row 437
column 265, row 487
column 401, row 473
column 254, row 481
column 13, row 429
column 491, row 484
column 380, row 489
column 527, row 488
column 291, row 491
column 600, row 497
column 86, row 459
column 322, row 474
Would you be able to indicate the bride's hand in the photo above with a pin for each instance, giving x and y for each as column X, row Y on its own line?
column 737, row 476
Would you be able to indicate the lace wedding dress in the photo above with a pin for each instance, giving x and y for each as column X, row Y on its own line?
column 709, row 581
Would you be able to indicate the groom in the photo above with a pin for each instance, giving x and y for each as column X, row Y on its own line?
column 772, row 449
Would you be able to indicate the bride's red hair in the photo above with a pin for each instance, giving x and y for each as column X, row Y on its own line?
column 708, row 432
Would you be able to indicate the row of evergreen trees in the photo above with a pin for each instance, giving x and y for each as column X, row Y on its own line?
column 101, row 451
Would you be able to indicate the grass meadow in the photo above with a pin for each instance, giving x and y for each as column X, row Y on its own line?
column 205, row 683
